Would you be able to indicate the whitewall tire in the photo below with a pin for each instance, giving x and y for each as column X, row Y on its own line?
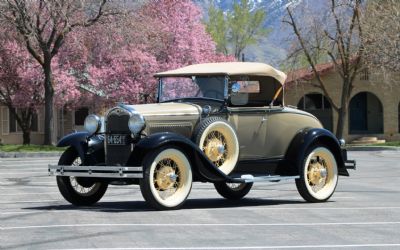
column 318, row 175
column 167, row 179
column 219, row 142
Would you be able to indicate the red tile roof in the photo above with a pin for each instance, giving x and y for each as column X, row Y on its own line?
column 306, row 74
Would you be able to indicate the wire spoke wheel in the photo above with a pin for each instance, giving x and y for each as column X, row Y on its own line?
column 79, row 185
column 78, row 190
column 233, row 191
column 168, row 179
column 216, row 148
column 218, row 140
column 319, row 176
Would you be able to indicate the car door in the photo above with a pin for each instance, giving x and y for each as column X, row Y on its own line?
column 250, row 125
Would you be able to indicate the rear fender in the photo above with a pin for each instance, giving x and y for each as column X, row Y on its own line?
column 202, row 167
column 304, row 140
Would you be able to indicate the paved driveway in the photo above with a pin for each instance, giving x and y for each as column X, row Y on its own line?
column 363, row 213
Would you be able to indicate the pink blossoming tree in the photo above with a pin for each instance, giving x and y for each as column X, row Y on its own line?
column 21, row 88
column 161, row 35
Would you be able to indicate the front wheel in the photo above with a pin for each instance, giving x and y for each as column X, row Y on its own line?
column 233, row 191
column 167, row 179
column 77, row 190
column 318, row 175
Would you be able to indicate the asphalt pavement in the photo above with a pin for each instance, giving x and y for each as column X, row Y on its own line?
column 363, row 213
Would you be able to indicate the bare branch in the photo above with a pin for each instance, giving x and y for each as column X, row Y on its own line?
column 312, row 64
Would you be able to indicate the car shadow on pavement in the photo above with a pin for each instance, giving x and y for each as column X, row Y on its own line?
column 141, row 206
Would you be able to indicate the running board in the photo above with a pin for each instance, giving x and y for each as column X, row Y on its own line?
column 248, row 178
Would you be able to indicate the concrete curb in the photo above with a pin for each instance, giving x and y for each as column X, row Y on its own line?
column 372, row 148
column 29, row 154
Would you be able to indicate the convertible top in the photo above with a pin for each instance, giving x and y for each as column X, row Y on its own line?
column 229, row 69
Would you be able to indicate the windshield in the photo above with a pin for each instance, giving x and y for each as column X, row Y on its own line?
column 192, row 87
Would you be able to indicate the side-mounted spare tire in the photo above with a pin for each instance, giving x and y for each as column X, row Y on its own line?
column 217, row 138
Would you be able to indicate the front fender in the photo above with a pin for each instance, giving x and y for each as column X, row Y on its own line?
column 308, row 137
column 83, row 144
column 202, row 167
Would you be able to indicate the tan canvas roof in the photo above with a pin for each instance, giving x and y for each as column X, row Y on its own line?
column 228, row 68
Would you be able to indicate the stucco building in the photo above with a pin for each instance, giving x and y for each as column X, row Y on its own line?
column 374, row 108
column 65, row 122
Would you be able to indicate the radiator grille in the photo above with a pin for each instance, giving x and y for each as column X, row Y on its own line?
column 117, row 124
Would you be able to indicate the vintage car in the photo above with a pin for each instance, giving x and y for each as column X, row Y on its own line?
column 224, row 123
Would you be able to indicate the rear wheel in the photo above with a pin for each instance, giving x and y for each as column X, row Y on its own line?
column 77, row 190
column 233, row 191
column 167, row 180
column 318, row 175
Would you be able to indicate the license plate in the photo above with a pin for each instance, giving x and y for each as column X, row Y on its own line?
column 116, row 139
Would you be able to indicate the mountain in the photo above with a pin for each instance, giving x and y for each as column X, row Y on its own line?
column 271, row 49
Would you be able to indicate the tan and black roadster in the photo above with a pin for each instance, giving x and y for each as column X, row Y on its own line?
column 224, row 123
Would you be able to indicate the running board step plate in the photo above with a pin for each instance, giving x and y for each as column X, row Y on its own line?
column 248, row 178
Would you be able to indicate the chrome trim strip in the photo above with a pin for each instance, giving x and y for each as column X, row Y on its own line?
column 174, row 114
column 167, row 125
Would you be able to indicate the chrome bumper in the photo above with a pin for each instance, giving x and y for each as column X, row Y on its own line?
column 96, row 171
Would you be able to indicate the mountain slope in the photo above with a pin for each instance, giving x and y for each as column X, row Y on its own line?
column 271, row 49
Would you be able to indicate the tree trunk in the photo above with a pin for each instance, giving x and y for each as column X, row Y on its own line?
column 26, row 135
column 344, row 104
column 48, row 102
column 342, row 112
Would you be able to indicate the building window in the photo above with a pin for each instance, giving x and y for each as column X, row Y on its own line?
column 13, row 126
column 318, row 105
column 80, row 116
column 364, row 74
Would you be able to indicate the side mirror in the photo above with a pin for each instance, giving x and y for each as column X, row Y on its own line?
column 235, row 87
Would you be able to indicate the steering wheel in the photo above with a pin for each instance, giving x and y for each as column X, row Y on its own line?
column 214, row 94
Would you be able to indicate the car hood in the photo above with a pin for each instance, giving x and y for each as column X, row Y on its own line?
column 168, row 111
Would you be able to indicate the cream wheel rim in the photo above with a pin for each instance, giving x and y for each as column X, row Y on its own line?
column 170, row 177
column 321, row 173
column 219, row 143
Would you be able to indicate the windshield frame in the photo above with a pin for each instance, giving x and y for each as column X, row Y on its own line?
column 226, row 91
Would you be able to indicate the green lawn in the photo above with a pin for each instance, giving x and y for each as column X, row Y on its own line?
column 391, row 143
column 29, row 148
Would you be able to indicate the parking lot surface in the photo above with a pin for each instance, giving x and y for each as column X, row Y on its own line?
column 363, row 213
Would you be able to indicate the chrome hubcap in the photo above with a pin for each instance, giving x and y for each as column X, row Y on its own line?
column 166, row 176
column 215, row 148
column 317, row 171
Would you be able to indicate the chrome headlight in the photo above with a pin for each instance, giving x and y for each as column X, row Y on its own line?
column 92, row 124
column 136, row 123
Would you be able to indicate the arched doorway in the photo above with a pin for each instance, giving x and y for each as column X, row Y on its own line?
column 366, row 114
column 319, row 106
